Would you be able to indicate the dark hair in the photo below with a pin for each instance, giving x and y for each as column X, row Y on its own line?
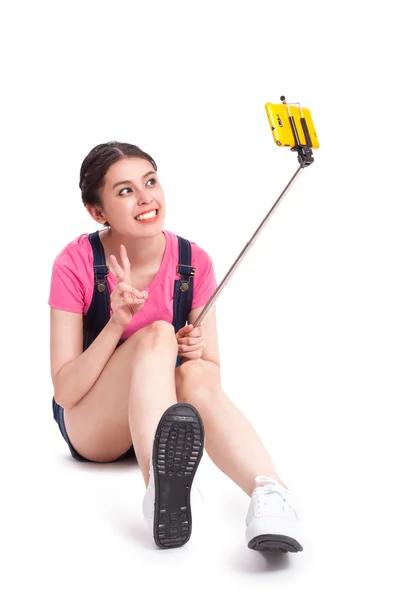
column 96, row 165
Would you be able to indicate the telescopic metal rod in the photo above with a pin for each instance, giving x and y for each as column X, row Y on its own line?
column 214, row 297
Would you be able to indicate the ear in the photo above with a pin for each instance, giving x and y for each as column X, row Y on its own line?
column 96, row 213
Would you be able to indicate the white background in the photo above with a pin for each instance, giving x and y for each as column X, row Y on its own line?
column 308, row 326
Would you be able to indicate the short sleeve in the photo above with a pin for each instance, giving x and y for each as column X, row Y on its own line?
column 205, row 282
column 67, row 288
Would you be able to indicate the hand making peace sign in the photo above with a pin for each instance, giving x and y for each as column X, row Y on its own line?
column 125, row 299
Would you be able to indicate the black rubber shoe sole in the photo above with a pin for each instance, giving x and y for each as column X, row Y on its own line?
column 177, row 451
column 275, row 543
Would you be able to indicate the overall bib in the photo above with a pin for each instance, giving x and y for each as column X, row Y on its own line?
column 98, row 313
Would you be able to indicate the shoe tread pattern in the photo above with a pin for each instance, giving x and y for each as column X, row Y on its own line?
column 178, row 448
column 275, row 543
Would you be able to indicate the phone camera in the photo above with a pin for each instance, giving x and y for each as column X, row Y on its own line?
column 279, row 121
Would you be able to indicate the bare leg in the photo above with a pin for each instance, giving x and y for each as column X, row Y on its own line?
column 231, row 441
column 136, row 386
column 152, row 391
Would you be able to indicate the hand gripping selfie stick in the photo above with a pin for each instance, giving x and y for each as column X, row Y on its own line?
column 305, row 158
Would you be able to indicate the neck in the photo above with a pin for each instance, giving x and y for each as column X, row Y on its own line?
column 141, row 251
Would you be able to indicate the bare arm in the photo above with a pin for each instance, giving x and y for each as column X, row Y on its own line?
column 74, row 372
column 211, row 351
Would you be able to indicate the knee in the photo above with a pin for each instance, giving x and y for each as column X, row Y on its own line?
column 157, row 334
column 197, row 381
column 161, row 328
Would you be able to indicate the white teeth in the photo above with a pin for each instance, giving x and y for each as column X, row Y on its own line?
column 148, row 215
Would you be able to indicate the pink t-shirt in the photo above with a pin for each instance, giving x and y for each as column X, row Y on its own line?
column 72, row 282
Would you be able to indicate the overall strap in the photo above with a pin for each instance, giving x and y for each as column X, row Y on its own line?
column 98, row 314
column 183, row 287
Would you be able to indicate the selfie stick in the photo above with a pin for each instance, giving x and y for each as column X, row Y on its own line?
column 305, row 158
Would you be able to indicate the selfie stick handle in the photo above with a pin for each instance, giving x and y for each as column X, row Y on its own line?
column 305, row 159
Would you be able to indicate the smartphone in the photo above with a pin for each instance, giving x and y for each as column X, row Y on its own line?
column 278, row 117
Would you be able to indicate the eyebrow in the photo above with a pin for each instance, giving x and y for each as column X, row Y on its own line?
column 128, row 181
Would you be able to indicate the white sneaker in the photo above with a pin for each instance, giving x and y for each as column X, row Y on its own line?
column 177, row 451
column 272, row 521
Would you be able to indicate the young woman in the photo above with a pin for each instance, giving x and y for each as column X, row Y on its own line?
column 131, row 377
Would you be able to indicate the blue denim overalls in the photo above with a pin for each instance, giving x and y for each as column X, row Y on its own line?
column 98, row 313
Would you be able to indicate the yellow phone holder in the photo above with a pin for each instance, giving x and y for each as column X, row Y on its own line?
column 304, row 151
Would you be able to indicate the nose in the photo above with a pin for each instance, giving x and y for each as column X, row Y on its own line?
column 144, row 197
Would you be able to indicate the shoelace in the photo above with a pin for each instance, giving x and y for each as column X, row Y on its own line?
column 272, row 494
column 199, row 490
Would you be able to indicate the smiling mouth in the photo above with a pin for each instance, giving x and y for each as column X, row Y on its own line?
column 148, row 217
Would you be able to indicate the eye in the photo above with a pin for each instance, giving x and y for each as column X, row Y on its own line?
column 123, row 189
column 152, row 180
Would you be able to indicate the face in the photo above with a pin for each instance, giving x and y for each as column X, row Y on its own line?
column 131, row 189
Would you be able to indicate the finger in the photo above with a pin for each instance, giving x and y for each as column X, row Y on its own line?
column 135, row 301
column 119, row 272
column 185, row 335
column 126, row 288
column 196, row 332
column 188, row 341
column 193, row 332
column 135, row 295
column 128, row 302
column 188, row 349
column 182, row 332
column 200, row 329
column 132, row 300
column 191, row 355
column 126, row 265
column 122, row 301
